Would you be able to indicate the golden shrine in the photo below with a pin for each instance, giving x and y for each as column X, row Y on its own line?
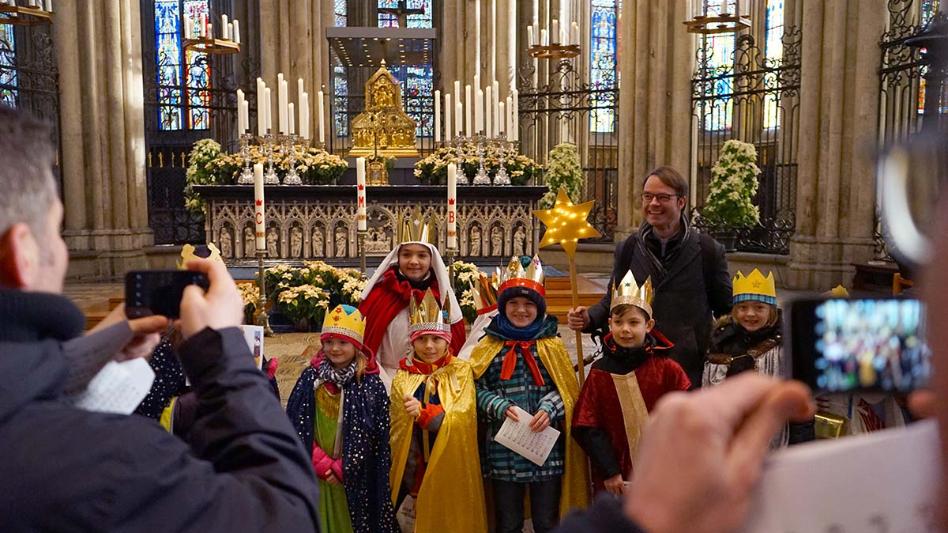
column 383, row 128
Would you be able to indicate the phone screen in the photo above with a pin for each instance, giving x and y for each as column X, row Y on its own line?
column 845, row 345
column 158, row 292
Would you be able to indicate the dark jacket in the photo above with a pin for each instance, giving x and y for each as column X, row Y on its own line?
column 687, row 291
column 66, row 469
column 605, row 515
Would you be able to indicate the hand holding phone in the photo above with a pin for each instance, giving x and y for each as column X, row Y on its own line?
column 860, row 344
column 158, row 292
column 218, row 308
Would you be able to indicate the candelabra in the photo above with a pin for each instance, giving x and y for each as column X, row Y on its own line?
column 34, row 13
column 246, row 175
column 289, row 146
column 481, row 178
column 270, row 176
column 501, row 177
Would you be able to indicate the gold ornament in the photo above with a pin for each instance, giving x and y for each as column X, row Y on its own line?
column 566, row 223
column 187, row 254
column 428, row 315
column 415, row 228
column 628, row 292
column 383, row 128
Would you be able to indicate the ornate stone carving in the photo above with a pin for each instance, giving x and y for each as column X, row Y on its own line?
column 250, row 245
column 317, row 243
column 383, row 127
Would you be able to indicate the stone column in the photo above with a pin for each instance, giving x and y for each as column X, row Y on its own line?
column 293, row 41
column 838, row 111
column 99, row 56
column 656, row 59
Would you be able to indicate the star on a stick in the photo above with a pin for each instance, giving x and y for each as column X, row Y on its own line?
column 566, row 223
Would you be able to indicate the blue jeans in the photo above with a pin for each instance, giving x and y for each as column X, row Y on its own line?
column 509, row 503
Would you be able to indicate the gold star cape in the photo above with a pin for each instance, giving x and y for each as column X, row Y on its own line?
column 566, row 223
column 453, row 476
column 574, row 483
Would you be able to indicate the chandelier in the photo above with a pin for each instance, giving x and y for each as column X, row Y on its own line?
column 718, row 16
column 33, row 12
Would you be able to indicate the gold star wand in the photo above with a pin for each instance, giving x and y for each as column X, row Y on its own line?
column 565, row 224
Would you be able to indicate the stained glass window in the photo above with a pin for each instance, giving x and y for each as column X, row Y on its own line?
column 341, row 11
column 774, row 52
column 8, row 77
column 603, row 62
column 417, row 82
column 340, row 101
column 184, row 78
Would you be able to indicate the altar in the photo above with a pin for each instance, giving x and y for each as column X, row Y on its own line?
column 317, row 222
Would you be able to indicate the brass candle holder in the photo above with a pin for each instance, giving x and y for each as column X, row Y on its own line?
column 209, row 45
column 25, row 15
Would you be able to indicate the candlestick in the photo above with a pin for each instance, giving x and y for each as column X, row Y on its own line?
column 240, row 112
column 236, row 31
column 543, row 38
column 459, row 110
column 452, row 206
column 437, row 116
column 555, row 31
column 224, row 27
column 304, row 116
column 502, row 129
column 290, row 112
column 495, row 97
column 282, row 100
column 261, row 108
column 259, row 214
column 320, row 108
column 574, row 33
column 361, row 218
column 508, row 119
column 515, row 105
column 245, row 108
column 530, row 41
column 479, row 111
column 269, row 109
column 488, row 122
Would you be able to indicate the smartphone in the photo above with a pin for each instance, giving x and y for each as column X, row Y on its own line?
column 158, row 292
column 859, row 344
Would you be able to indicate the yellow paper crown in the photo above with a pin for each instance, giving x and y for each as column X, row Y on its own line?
column 628, row 292
column 415, row 228
column 755, row 287
column 516, row 276
column 345, row 320
column 187, row 254
column 484, row 292
column 428, row 315
column 837, row 292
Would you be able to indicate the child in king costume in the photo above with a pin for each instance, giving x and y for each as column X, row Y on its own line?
column 413, row 267
column 521, row 362
column 624, row 385
column 340, row 410
column 434, row 429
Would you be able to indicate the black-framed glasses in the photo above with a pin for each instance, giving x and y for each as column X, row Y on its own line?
column 647, row 197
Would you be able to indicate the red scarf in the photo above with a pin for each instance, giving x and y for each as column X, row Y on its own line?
column 415, row 365
column 386, row 299
column 510, row 361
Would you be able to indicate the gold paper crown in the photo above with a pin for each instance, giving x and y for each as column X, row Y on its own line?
column 516, row 276
column 837, row 292
column 345, row 320
column 628, row 292
column 755, row 287
column 484, row 292
column 415, row 228
column 187, row 254
column 428, row 315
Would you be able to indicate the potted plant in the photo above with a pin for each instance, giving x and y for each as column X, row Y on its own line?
column 305, row 305
column 729, row 205
column 563, row 171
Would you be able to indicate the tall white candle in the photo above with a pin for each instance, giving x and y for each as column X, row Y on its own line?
column 210, row 31
column 502, row 124
column 269, row 110
column 515, row 112
column 508, row 119
column 468, row 109
column 448, row 132
column 452, row 206
column 361, row 219
column 488, row 114
column 230, row 31
column 282, row 100
column 224, row 33
column 240, row 112
column 543, row 38
column 299, row 89
column 290, row 113
column 479, row 111
column 437, row 116
column 574, row 33
column 261, row 107
column 304, row 116
column 259, row 214
column 246, row 110
column 321, row 109
column 495, row 97
column 723, row 9
column 459, row 112
column 203, row 27
column 457, row 90
column 49, row 5
column 555, row 31
column 236, row 31
column 530, row 41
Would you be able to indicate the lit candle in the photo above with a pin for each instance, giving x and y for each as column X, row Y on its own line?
column 448, row 133
column 437, row 118
column 236, row 30
column 225, row 35
column 261, row 107
column 555, row 31
column 320, row 108
column 290, row 112
column 502, row 126
column 269, row 109
column 488, row 116
column 452, row 206
column 259, row 215
column 361, row 219
column 468, row 107
column 241, row 125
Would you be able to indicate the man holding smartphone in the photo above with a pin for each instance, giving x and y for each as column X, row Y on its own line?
column 243, row 468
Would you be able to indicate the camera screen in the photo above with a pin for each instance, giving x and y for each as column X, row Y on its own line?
column 871, row 344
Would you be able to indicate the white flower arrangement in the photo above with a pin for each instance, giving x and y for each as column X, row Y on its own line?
column 732, row 188
column 563, row 171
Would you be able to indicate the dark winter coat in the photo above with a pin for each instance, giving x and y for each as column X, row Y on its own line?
column 66, row 469
column 691, row 282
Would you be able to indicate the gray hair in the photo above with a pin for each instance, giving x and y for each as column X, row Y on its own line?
column 27, row 186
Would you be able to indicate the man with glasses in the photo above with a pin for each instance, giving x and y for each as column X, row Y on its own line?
column 688, row 270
